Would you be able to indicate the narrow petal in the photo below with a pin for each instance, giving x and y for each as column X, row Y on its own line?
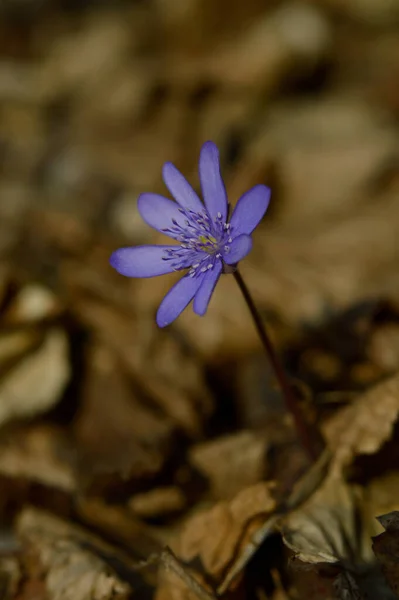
column 176, row 300
column 180, row 189
column 212, row 184
column 238, row 249
column 159, row 212
column 141, row 261
column 203, row 296
column 250, row 209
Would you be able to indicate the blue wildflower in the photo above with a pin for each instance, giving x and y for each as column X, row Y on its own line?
column 207, row 239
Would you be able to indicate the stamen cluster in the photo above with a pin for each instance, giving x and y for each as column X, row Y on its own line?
column 201, row 242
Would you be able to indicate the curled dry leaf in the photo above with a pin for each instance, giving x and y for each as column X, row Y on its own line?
column 318, row 532
column 216, row 535
column 319, row 529
column 54, row 553
column 334, row 527
column 298, row 495
column 363, row 426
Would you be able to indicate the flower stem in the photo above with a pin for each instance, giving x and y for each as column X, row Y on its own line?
column 290, row 401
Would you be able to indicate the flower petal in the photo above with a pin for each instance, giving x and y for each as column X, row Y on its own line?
column 141, row 261
column 176, row 300
column 238, row 249
column 250, row 209
column 180, row 189
column 212, row 184
column 203, row 296
column 158, row 212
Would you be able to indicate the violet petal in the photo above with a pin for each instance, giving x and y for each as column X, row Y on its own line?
column 180, row 189
column 141, row 261
column 176, row 300
column 159, row 212
column 212, row 185
column 204, row 294
column 237, row 250
column 250, row 209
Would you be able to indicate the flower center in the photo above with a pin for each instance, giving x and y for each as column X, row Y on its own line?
column 207, row 243
column 201, row 241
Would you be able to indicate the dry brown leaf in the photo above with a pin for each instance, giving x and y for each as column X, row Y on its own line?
column 319, row 143
column 363, row 426
column 36, row 364
column 171, row 587
column 164, row 369
column 38, row 454
column 118, row 524
column 232, row 463
column 326, row 527
column 54, row 551
column 319, row 531
column 215, row 535
column 297, row 496
column 36, row 384
column 335, row 526
column 123, row 437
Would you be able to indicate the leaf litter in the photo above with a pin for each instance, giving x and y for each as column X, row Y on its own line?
column 139, row 463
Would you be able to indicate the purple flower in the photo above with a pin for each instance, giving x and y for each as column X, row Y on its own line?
column 207, row 240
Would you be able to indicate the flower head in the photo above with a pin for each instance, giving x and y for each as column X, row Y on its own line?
column 207, row 240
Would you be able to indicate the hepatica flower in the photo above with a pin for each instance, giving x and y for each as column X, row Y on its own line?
column 208, row 242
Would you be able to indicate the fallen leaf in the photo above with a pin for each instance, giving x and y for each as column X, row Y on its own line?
column 320, row 530
column 54, row 552
column 331, row 533
column 365, row 425
column 232, row 463
column 35, row 363
column 122, row 439
column 216, row 535
column 37, row 454
column 36, row 383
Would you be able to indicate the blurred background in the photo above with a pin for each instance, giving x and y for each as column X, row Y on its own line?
column 94, row 97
